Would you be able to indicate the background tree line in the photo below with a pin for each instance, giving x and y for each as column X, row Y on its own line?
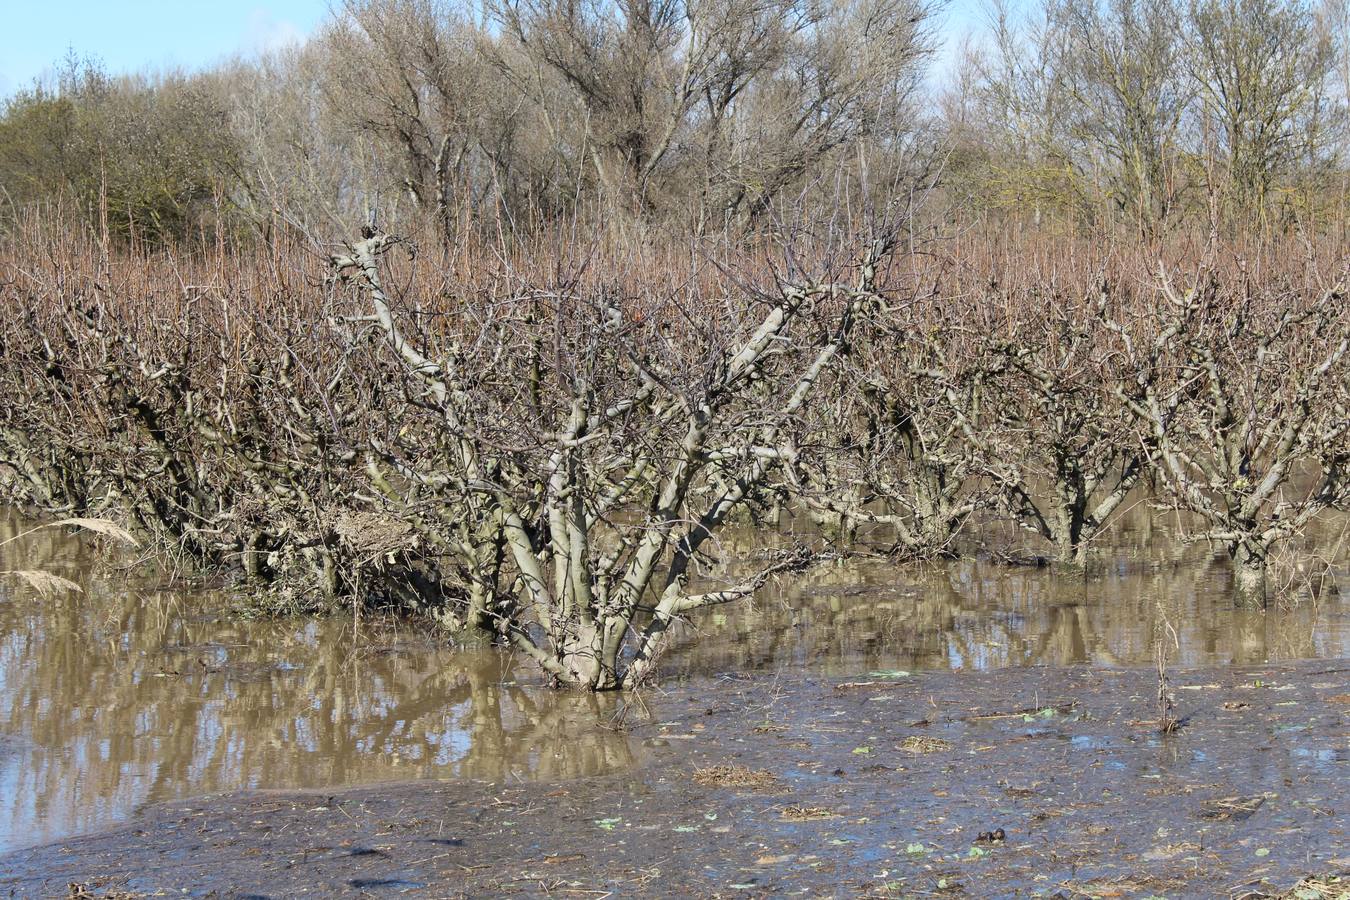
column 701, row 115
column 1151, row 112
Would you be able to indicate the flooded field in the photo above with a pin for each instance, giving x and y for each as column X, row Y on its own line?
column 129, row 694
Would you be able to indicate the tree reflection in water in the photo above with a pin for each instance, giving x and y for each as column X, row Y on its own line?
column 112, row 699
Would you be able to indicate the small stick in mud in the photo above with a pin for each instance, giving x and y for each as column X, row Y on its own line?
column 1167, row 718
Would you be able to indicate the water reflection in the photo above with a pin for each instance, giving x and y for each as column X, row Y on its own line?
column 112, row 700
column 973, row 613
column 115, row 698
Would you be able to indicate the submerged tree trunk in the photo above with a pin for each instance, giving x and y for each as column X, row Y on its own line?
column 1249, row 574
column 587, row 660
column 1068, row 537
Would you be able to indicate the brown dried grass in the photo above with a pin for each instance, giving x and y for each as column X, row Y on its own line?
column 807, row 813
column 48, row 584
column 920, row 744
column 102, row 527
column 735, row 776
column 1329, row 887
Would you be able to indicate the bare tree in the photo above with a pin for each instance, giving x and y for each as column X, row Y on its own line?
column 1063, row 452
column 408, row 71
column 1122, row 62
column 568, row 412
column 674, row 93
column 1261, row 68
column 1249, row 425
column 893, row 448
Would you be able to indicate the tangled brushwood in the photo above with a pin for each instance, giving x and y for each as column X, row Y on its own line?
column 540, row 441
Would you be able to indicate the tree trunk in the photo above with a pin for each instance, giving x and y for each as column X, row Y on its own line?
column 1249, row 575
column 1070, row 547
column 588, row 663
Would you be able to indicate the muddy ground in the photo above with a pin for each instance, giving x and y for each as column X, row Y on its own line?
column 875, row 785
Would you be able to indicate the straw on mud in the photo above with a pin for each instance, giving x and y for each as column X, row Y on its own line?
column 807, row 813
column 921, row 744
column 735, row 776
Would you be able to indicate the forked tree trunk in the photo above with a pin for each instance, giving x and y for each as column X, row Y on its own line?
column 1070, row 546
column 1249, row 574
column 589, row 664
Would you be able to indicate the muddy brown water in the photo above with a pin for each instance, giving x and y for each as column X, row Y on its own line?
column 128, row 695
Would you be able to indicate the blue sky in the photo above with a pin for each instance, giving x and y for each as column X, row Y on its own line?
column 133, row 35
column 130, row 35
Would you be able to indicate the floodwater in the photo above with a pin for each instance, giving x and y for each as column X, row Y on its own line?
column 128, row 694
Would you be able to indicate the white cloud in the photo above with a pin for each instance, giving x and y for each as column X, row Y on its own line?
column 267, row 33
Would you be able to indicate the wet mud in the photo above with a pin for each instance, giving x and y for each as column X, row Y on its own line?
column 1019, row 782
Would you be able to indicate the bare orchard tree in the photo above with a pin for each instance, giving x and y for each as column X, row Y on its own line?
column 583, row 446
column 1004, row 404
column 198, row 424
column 891, row 448
column 1250, row 420
column 1064, row 452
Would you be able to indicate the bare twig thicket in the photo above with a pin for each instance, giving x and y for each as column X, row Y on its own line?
column 540, row 444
